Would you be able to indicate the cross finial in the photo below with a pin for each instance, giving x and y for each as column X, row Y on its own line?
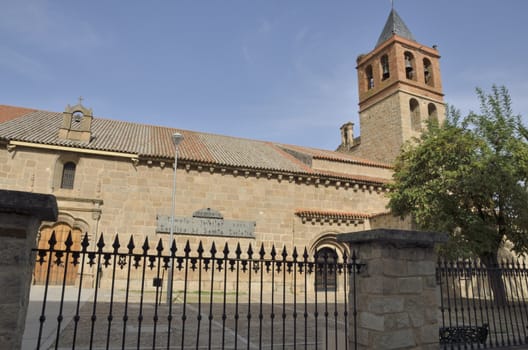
column 80, row 100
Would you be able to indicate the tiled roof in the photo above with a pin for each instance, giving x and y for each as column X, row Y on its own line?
column 394, row 26
column 11, row 112
column 311, row 213
column 148, row 141
column 336, row 156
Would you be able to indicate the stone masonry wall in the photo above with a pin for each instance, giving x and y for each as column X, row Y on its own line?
column 399, row 292
column 381, row 130
column 113, row 196
column 397, row 295
column 128, row 198
column 20, row 216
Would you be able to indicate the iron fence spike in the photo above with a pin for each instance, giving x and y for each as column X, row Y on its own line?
column 116, row 244
column 159, row 247
column 273, row 251
column 100, row 243
column 250, row 251
column 85, row 242
column 69, row 241
column 53, row 240
column 305, row 254
column 145, row 246
column 173, row 248
column 131, row 244
column 213, row 249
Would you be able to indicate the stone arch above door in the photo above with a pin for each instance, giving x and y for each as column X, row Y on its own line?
column 64, row 271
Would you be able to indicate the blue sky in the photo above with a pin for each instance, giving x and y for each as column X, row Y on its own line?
column 276, row 70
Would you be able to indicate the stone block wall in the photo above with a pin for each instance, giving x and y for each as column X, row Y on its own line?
column 397, row 297
column 381, row 130
column 20, row 217
column 112, row 195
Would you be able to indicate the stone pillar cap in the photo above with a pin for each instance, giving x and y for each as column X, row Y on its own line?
column 42, row 206
column 399, row 238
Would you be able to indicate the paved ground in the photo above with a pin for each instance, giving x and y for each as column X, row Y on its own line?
column 52, row 309
column 120, row 325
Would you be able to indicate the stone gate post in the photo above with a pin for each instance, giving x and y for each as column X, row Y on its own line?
column 21, row 214
column 397, row 297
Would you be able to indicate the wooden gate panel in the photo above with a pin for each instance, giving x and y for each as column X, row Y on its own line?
column 57, row 270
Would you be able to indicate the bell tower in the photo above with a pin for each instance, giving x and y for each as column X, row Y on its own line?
column 399, row 89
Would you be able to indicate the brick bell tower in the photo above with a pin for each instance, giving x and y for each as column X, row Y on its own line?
column 399, row 89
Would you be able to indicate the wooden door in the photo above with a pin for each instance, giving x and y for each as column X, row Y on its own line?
column 57, row 270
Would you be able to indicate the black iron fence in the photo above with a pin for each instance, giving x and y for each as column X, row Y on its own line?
column 483, row 306
column 220, row 298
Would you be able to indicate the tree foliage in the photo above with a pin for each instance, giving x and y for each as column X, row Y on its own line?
column 468, row 177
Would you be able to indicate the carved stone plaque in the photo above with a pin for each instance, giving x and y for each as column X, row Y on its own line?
column 206, row 226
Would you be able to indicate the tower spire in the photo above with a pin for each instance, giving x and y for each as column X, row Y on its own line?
column 394, row 26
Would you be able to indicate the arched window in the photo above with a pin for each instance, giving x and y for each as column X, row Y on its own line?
column 432, row 113
column 326, row 270
column 409, row 65
column 370, row 77
column 428, row 72
column 385, row 70
column 416, row 123
column 68, row 175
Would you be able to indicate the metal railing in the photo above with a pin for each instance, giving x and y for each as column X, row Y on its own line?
column 221, row 299
column 483, row 306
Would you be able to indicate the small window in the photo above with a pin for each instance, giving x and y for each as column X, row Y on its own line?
column 409, row 65
column 432, row 112
column 326, row 270
column 428, row 72
column 68, row 175
column 416, row 123
column 385, row 67
column 370, row 77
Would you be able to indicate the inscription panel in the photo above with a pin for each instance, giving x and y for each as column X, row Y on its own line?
column 206, row 227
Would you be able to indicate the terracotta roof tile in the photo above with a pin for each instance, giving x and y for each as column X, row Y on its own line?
column 312, row 213
column 148, row 141
column 12, row 112
column 336, row 156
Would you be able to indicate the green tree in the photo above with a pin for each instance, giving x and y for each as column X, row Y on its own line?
column 468, row 177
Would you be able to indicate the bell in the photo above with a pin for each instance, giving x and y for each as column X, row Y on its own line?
column 408, row 64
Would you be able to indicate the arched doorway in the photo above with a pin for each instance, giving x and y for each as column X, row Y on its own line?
column 57, row 270
column 329, row 256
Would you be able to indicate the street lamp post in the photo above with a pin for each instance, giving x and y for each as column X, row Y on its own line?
column 176, row 139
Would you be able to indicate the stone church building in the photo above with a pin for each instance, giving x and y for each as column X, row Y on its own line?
column 116, row 177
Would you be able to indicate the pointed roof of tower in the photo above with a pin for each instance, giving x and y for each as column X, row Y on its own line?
column 394, row 26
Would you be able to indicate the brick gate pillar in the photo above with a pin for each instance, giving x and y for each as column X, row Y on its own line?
column 397, row 297
column 21, row 214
